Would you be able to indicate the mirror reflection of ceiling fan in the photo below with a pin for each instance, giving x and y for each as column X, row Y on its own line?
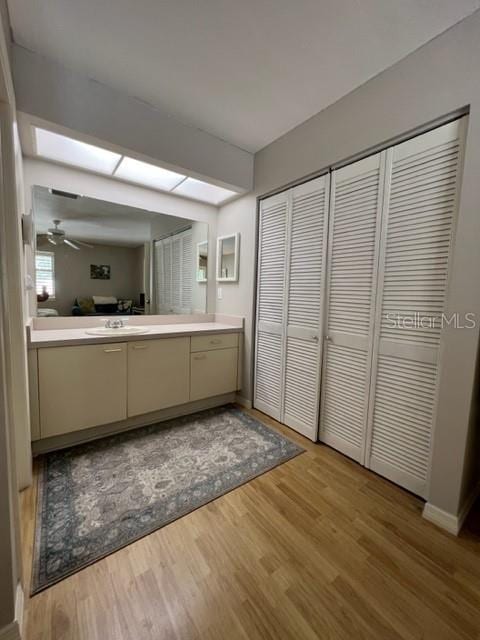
column 57, row 236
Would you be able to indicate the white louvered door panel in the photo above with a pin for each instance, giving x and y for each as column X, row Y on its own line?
column 422, row 182
column 176, row 243
column 354, row 235
column 167, row 278
column 306, row 256
column 159, row 277
column 271, row 281
column 187, row 272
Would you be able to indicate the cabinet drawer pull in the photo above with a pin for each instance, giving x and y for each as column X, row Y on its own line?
column 112, row 350
column 138, row 346
column 216, row 341
column 201, row 357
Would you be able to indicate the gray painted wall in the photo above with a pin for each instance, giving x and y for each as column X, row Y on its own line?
column 437, row 79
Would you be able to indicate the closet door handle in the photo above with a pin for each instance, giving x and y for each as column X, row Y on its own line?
column 314, row 338
column 112, row 350
column 328, row 338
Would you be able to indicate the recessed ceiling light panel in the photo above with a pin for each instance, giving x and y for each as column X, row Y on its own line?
column 148, row 174
column 203, row 191
column 79, row 154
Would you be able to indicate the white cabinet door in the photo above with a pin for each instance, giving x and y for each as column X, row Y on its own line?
column 269, row 348
column 158, row 374
column 422, row 185
column 354, row 232
column 306, row 259
column 81, row 387
column 213, row 373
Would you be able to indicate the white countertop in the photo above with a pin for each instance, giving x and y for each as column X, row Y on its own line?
column 67, row 337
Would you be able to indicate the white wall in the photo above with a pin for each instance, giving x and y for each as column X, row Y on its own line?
column 14, row 426
column 46, row 174
column 237, row 297
column 12, row 353
column 72, row 274
column 437, row 79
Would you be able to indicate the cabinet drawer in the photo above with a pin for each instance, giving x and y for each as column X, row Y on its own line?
column 214, row 341
column 213, row 373
column 81, row 387
column 158, row 374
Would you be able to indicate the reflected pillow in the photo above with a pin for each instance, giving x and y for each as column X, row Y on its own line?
column 86, row 305
column 125, row 306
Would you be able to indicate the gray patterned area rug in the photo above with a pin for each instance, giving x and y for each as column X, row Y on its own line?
column 97, row 497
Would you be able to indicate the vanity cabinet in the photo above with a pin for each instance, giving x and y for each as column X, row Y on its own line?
column 158, row 374
column 81, row 387
column 215, row 341
column 95, row 385
column 213, row 372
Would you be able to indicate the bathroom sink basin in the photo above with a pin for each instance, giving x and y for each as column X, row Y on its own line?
column 121, row 331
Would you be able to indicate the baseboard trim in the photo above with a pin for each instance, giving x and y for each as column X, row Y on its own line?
column 11, row 632
column 243, row 402
column 443, row 519
column 448, row 521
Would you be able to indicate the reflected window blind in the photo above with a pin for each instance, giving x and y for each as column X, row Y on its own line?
column 45, row 272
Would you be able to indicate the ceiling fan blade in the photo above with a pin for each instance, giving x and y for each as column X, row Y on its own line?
column 70, row 244
column 51, row 240
column 84, row 244
column 49, row 233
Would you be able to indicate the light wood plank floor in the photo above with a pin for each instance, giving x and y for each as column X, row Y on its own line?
column 317, row 548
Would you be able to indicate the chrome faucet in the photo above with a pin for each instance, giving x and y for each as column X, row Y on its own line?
column 114, row 323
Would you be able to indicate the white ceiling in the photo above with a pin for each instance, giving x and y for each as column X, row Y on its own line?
column 244, row 70
column 96, row 221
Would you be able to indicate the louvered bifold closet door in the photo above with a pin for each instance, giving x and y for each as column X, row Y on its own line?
column 176, row 273
column 167, row 277
column 353, row 244
column 306, row 261
column 422, row 184
column 187, row 272
column 271, row 281
column 159, row 274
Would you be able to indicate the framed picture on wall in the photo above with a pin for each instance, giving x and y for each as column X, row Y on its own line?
column 100, row 271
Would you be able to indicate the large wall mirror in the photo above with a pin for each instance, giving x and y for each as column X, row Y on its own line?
column 100, row 258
